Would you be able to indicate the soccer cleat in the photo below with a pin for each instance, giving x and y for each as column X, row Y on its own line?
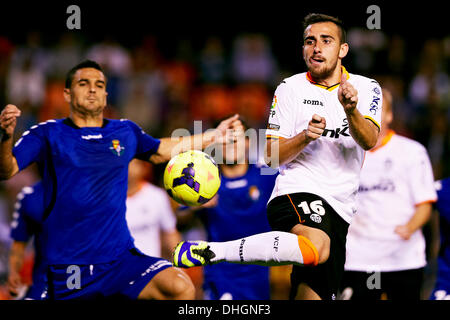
column 189, row 254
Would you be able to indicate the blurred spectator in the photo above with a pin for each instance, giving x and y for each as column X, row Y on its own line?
column 152, row 223
column 213, row 64
column 253, row 61
column 115, row 61
column 67, row 53
column 143, row 97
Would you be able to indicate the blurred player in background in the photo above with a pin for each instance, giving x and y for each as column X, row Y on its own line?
column 394, row 202
column 442, row 287
column 150, row 217
column 320, row 124
column 27, row 225
column 238, row 210
column 83, row 161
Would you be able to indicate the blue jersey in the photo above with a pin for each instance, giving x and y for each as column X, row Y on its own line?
column 240, row 212
column 27, row 220
column 84, row 176
column 443, row 206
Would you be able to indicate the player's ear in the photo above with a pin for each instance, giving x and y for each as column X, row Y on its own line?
column 67, row 96
column 343, row 50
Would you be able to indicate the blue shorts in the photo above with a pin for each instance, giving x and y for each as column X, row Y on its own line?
column 37, row 291
column 441, row 291
column 125, row 277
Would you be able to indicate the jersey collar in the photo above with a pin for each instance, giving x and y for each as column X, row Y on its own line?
column 68, row 121
column 330, row 88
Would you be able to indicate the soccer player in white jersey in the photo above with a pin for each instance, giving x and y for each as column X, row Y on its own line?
column 394, row 202
column 150, row 217
column 320, row 125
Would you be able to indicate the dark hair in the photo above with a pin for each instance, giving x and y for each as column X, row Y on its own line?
column 81, row 65
column 319, row 17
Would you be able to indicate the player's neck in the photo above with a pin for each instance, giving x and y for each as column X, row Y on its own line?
column 234, row 170
column 329, row 80
column 86, row 120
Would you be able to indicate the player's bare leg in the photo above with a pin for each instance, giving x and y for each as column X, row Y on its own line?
column 169, row 284
column 304, row 292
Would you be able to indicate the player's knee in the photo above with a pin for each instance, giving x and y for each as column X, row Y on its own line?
column 182, row 287
column 314, row 245
column 323, row 249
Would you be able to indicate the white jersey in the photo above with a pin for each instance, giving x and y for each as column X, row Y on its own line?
column 148, row 213
column 395, row 178
column 329, row 166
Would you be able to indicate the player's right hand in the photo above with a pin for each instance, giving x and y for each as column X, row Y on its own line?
column 14, row 283
column 8, row 119
column 316, row 126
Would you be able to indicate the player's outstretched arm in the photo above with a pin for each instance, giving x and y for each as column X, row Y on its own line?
column 228, row 129
column 362, row 130
column 8, row 120
column 282, row 151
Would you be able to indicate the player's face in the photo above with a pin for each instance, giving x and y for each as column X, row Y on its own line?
column 87, row 93
column 236, row 152
column 322, row 49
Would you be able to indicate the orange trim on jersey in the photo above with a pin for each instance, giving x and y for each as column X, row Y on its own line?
column 269, row 136
column 330, row 88
column 385, row 140
column 309, row 252
column 426, row 201
column 364, row 159
column 299, row 217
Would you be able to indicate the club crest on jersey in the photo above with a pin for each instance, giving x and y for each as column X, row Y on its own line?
column 116, row 148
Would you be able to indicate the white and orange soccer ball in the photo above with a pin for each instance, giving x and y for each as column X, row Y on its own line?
column 192, row 178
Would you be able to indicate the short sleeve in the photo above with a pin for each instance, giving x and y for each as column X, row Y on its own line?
column 281, row 120
column 421, row 178
column 370, row 102
column 30, row 147
column 146, row 145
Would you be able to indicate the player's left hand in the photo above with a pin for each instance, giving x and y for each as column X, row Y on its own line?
column 403, row 231
column 347, row 94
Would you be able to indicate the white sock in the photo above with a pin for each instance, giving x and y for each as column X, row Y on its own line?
column 268, row 249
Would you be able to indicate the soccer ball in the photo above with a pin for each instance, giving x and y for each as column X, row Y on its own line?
column 192, row 178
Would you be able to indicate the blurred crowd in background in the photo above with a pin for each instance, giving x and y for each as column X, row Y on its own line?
column 213, row 78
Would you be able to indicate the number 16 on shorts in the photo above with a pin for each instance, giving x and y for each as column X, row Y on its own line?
column 314, row 208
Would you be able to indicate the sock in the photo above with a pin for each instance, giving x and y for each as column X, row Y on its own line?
column 269, row 249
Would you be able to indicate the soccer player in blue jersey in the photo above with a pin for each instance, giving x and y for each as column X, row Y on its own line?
column 83, row 161
column 237, row 211
column 442, row 287
column 27, row 219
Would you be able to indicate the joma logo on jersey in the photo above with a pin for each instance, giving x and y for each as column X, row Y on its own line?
column 313, row 102
column 335, row 133
column 116, row 148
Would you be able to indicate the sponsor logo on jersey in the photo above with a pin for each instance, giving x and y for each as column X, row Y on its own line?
column 374, row 105
column 116, row 148
column 384, row 185
column 272, row 126
column 313, row 102
column 92, row 136
column 336, row 133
